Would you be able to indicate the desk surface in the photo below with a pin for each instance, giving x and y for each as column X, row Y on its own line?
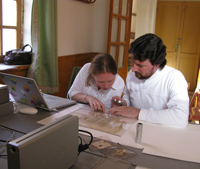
column 27, row 123
column 5, row 68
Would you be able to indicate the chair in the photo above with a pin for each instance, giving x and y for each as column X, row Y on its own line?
column 75, row 71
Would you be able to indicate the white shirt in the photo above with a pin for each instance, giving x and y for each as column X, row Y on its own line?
column 163, row 98
column 105, row 96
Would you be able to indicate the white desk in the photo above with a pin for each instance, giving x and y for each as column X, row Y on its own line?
column 154, row 141
column 159, row 140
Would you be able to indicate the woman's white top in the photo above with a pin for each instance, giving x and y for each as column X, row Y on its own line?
column 105, row 96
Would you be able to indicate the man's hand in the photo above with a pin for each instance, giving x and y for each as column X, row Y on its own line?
column 125, row 111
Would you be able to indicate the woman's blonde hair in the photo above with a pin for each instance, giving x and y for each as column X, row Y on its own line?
column 102, row 63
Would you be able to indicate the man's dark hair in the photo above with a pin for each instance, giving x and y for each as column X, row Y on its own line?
column 149, row 46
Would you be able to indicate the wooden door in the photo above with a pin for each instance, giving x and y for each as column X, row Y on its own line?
column 119, row 33
column 178, row 24
column 168, row 27
column 189, row 43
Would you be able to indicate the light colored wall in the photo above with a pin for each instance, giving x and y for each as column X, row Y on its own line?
column 146, row 17
column 81, row 27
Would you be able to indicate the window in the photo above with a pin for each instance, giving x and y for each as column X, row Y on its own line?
column 10, row 25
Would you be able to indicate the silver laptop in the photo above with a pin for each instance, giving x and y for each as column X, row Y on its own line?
column 25, row 90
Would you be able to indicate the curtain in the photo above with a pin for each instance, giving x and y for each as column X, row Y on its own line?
column 44, row 67
column 146, row 17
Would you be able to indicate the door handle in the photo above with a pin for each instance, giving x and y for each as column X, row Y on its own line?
column 176, row 48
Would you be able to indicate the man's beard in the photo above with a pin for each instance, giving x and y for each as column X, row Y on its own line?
column 140, row 76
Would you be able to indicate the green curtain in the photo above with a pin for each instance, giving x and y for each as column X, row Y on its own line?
column 44, row 67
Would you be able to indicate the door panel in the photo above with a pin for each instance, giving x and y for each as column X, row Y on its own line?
column 188, row 66
column 121, row 54
column 178, row 24
column 188, row 56
column 167, row 27
column 191, row 29
column 115, row 23
column 119, row 33
column 123, row 31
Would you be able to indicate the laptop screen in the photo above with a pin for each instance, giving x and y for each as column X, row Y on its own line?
column 26, row 91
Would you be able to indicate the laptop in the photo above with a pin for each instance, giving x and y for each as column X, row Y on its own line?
column 26, row 91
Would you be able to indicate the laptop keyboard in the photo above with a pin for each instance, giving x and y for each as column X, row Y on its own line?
column 52, row 103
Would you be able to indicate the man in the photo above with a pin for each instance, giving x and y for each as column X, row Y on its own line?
column 154, row 92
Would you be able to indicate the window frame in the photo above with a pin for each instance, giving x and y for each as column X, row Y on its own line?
column 123, row 70
column 18, row 27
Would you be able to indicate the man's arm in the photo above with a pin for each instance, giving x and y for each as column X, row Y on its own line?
column 176, row 111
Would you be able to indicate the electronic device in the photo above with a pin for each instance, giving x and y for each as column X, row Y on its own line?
column 28, row 110
column 4, row 94
column 6, row 108
column 53, row 146
column 25, row 90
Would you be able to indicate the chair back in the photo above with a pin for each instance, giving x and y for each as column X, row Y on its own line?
column 75, row 71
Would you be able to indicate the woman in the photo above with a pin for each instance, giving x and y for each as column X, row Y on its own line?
column 97, row 82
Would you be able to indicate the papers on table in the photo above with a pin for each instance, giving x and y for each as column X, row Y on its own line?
column 60, row 114
column 104, row 122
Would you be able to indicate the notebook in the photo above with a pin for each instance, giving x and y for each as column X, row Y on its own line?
column 26, row 91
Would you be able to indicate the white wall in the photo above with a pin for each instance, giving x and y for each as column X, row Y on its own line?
column 146, row 17
column 81, row 27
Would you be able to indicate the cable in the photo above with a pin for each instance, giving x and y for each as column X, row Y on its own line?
column 15, row 107
column 81, row 146
column 2, row 149
column 89, row 134
column 80, row 139
column 3, row 140
column 2, row 155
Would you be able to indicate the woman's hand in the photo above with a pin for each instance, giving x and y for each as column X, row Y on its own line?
column 115, row 104
column 95, row 103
